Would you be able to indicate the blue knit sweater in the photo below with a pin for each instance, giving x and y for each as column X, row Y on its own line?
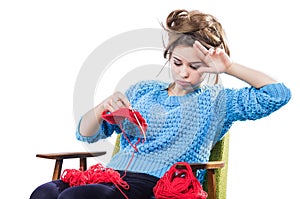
column 185, row 128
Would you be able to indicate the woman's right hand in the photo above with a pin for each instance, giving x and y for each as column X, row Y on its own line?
column 215, row 59
column 116, row 101
column 91, row 120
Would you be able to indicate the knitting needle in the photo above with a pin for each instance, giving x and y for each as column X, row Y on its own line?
column 136, row 118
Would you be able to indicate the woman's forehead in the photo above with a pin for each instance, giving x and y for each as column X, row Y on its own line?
column 185, row 53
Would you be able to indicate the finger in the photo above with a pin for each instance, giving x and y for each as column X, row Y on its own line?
column 218, row 51
column 211, row 51
column 112, row 105
column 123, row 99
column 108, row 106
column 117, row 103
column 200, row 48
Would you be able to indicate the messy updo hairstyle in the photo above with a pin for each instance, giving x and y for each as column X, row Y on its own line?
column 184, row 27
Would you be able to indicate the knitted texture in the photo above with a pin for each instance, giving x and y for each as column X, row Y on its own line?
column 185, row 128
column 179, row 183
column 95, row 174
column 133, row 116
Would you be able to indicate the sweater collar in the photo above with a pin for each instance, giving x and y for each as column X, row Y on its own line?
column 165, row 99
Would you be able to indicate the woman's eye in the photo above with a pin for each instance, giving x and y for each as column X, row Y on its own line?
column 177, row 63
column 195, row 67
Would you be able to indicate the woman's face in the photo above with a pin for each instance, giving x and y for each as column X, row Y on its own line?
column 184, row 64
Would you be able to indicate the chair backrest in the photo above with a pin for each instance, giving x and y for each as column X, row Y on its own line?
column 218, row 153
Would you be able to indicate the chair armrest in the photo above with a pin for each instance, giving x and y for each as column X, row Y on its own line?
column 59, row 158
column 67, row 155
column 208, row 165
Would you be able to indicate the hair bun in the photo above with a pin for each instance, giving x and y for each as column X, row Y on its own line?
column 181, row 21
column 199, row 26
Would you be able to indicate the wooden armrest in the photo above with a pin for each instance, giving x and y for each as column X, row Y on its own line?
column 208, row 165
column 59, row 157
column 67, row 155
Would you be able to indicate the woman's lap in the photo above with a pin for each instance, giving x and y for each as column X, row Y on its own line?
column 105, row 190
column 141, row 186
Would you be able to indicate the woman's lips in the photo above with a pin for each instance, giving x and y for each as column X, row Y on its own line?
column 183, row 83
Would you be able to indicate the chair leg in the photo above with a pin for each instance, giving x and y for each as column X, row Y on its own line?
column 211, row 186
column 82, row 164
column 57, row 169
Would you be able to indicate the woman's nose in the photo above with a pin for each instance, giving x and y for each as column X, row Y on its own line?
column 184, row 71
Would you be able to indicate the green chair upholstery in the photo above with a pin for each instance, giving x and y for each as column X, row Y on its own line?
column 218, row 153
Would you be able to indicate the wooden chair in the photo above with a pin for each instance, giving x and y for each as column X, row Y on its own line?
column 216, row 179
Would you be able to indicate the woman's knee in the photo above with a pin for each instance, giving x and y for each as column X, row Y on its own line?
column 99, row 191
column 49, row 190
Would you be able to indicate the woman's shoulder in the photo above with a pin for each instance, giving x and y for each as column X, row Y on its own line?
column 146, row 86
column 151, row 84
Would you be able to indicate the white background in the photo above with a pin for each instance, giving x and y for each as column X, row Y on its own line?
column 43, row 45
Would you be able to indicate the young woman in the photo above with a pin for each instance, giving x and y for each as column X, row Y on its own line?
column 185, row 118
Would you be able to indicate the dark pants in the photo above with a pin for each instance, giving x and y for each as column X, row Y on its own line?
column 141, row 187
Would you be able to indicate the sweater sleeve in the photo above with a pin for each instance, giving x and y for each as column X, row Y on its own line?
column 250, row 103
column 104, row 131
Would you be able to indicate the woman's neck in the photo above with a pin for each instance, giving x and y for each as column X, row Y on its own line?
column 174, row 90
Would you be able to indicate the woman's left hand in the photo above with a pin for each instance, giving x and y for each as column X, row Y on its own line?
column 215, row 59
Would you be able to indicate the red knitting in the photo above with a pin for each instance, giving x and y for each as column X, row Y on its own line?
column 95, row 174
column 121, row 114
column 179, row 184
column 133, row 116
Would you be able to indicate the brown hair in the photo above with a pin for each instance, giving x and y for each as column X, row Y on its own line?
column 184, row 27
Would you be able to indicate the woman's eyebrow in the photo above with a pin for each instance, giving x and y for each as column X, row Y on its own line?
column 195, row 62
column 177, row 58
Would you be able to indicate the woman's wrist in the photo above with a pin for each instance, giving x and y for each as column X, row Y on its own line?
column 230, row 69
